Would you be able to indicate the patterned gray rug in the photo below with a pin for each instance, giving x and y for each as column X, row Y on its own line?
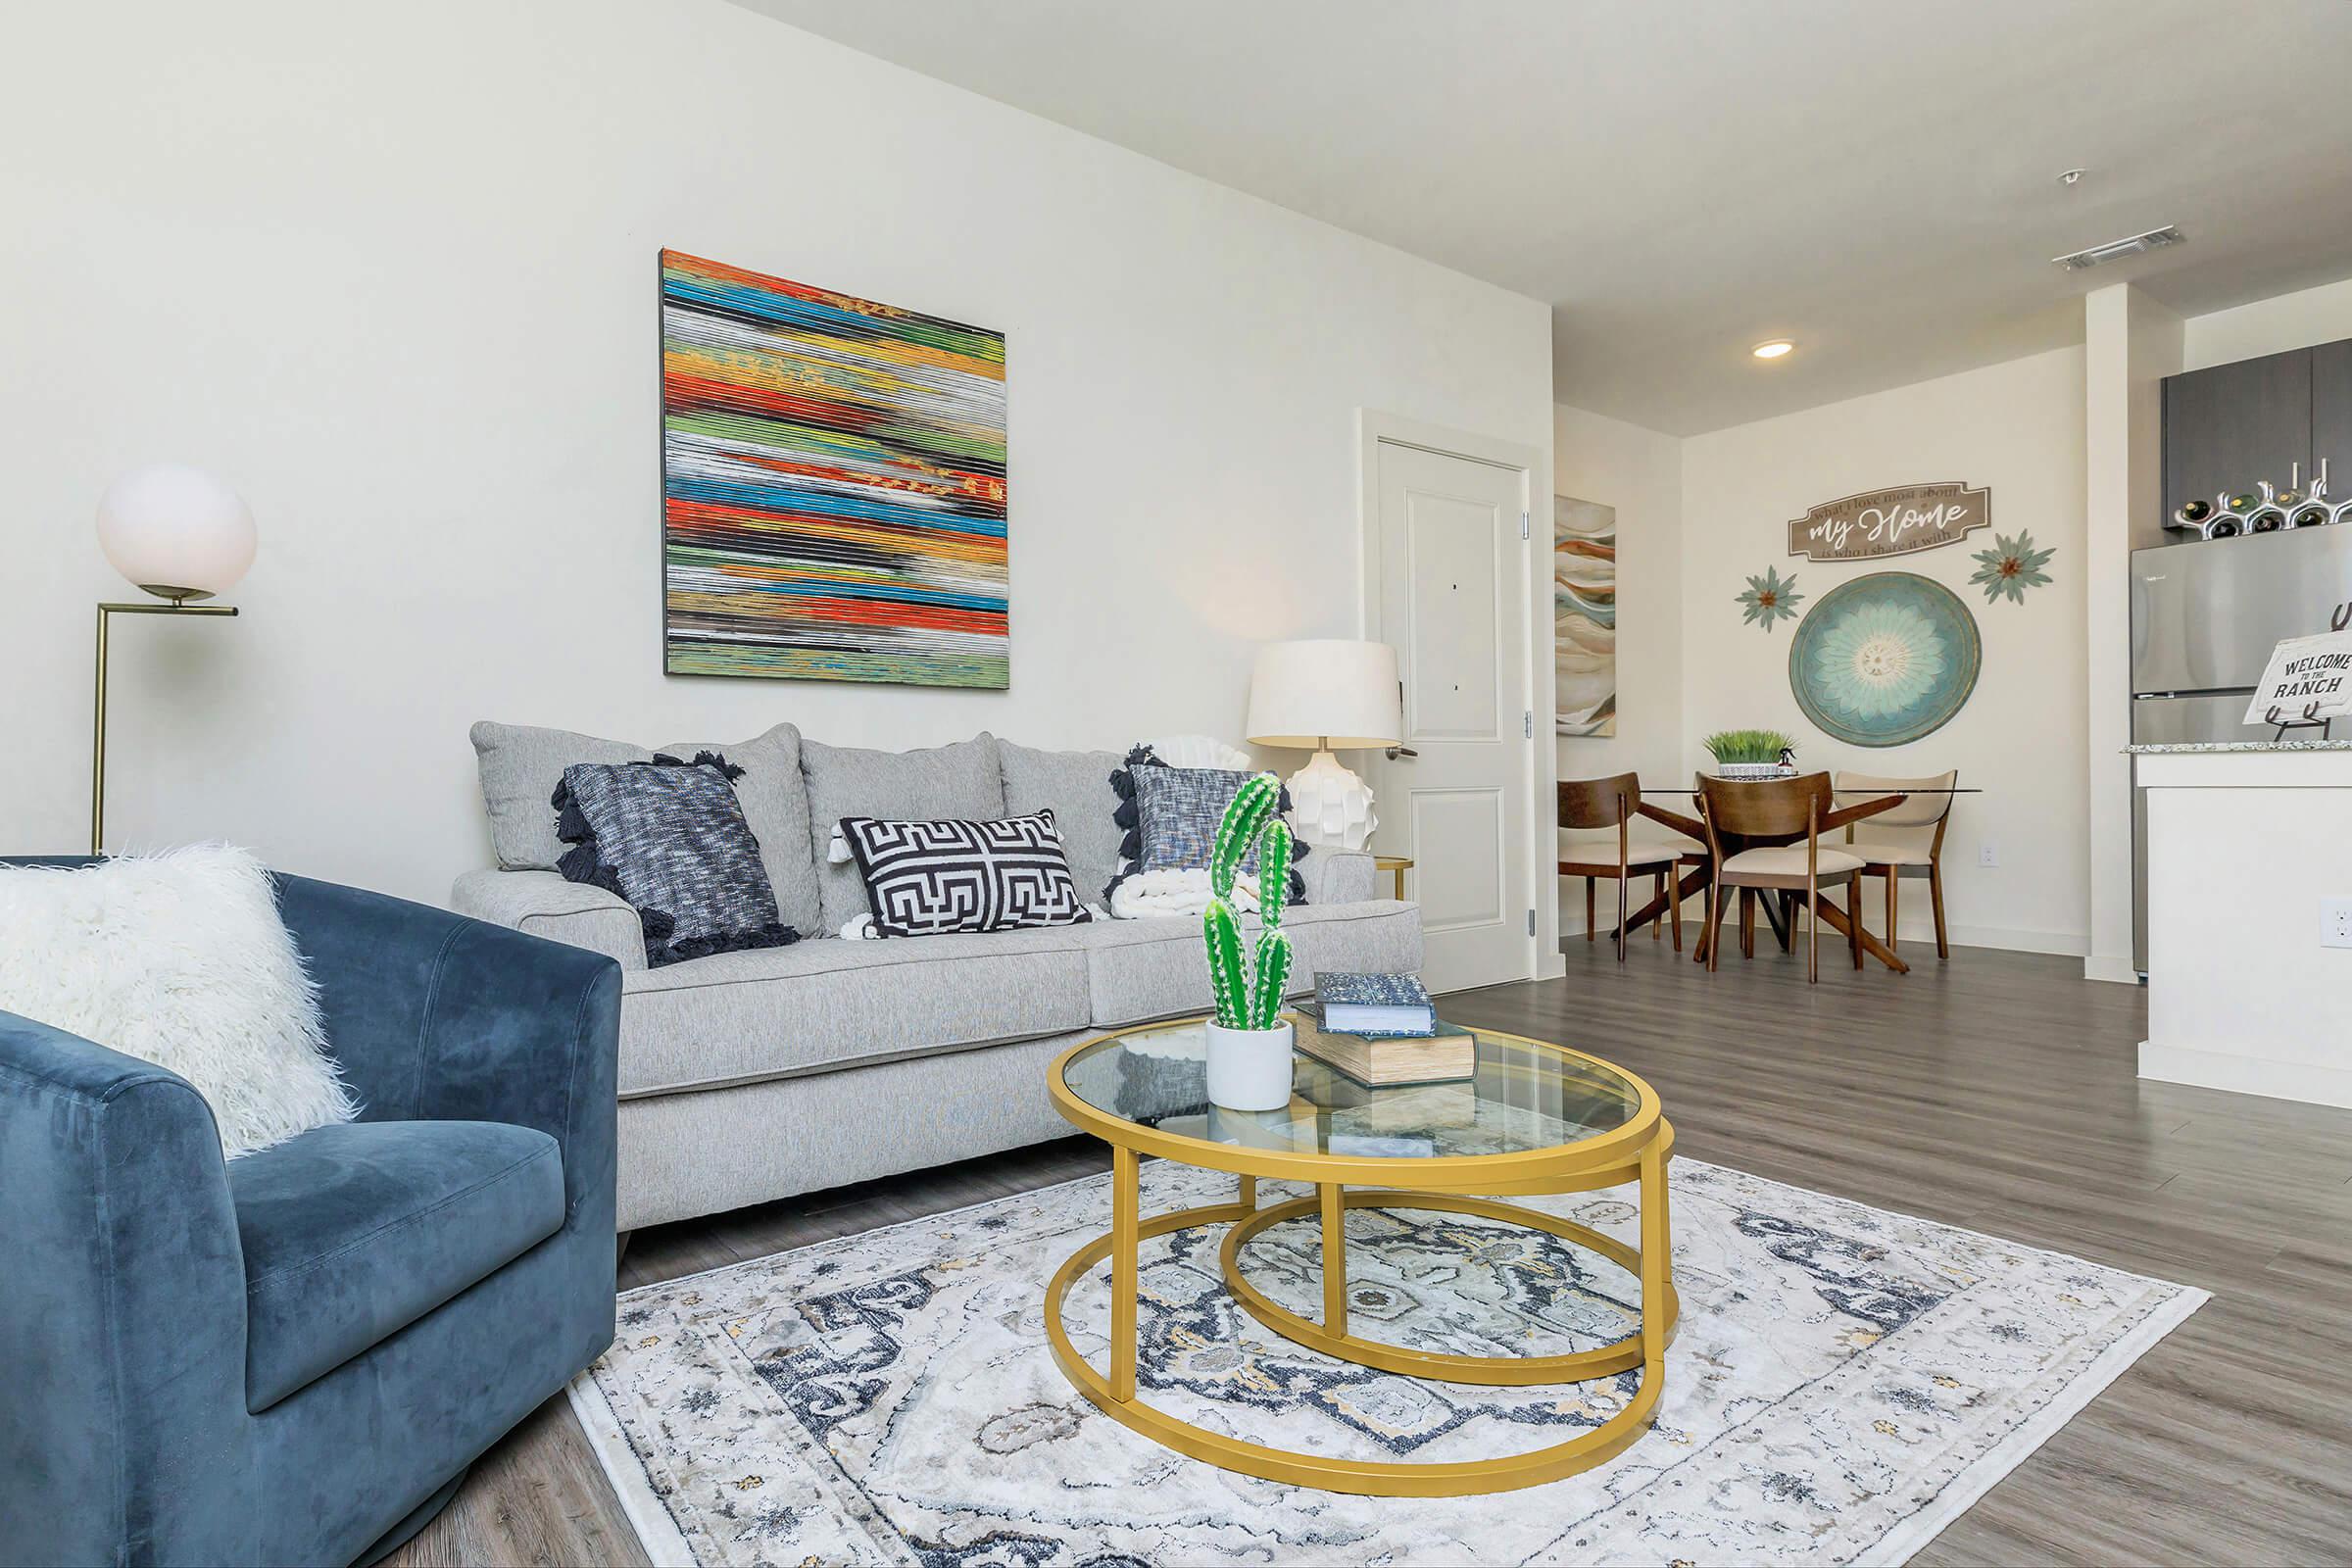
column 1844, row 1383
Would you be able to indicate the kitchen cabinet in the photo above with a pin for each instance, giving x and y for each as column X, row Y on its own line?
column 2332, row 417
column 2228, row 427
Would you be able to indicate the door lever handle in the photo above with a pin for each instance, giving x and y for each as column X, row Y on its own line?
column 1395, row 751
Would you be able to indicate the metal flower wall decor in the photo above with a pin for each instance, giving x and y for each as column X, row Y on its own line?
column 1770, row 598
column 2010, row 567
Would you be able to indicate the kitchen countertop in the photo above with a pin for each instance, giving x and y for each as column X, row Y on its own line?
column 2177, row 747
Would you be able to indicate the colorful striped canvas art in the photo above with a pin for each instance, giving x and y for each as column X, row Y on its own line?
column 832, row 485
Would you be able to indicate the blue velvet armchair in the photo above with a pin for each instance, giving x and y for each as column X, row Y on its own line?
column 293, row 1357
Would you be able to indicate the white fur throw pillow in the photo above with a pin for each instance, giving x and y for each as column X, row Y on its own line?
column 179, row 958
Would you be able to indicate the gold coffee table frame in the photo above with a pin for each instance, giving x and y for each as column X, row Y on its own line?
column 1467, row 1184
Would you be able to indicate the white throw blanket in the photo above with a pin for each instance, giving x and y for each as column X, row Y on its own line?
column 1176, row 891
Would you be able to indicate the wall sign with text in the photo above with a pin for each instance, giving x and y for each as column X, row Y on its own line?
column 1891, row 522
column 2309, row 678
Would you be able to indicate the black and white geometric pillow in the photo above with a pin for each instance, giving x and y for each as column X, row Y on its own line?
column 930, row 878
column 669, row 837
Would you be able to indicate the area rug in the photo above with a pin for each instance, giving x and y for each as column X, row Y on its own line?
column 1844, row 1383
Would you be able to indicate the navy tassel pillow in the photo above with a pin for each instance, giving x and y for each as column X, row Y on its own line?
column 668, row 836
column 1171, row 815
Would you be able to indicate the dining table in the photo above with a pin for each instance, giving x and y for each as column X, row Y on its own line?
column 1780, row 911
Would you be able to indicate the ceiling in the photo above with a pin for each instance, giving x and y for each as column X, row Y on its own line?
column 1684, row 178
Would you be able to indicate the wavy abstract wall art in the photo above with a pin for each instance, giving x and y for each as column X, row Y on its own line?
column 832, row 485
column 1584, row 608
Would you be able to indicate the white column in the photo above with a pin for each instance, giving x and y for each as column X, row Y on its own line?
column 2130, row 343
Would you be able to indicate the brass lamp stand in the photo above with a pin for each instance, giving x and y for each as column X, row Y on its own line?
column 170, row 606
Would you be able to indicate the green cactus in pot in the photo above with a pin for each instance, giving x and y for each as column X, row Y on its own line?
column 1250, row 821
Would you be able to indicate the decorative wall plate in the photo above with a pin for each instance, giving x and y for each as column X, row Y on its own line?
column 1884, row 660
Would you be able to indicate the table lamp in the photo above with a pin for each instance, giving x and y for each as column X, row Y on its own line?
column 1324, row 694
column 177, row 534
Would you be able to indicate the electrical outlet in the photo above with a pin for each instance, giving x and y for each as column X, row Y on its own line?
column 2335, row 922
column 1987, row 855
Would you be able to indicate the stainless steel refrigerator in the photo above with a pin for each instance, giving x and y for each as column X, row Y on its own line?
column 2204, row 617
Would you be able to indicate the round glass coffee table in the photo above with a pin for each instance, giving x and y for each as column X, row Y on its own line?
column 1536, row 1118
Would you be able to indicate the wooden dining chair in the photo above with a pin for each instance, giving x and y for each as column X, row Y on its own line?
column 1908, row 841
column 1781, row 811
column 1593, row 805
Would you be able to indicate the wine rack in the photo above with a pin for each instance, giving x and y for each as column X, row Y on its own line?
column 2263, row 509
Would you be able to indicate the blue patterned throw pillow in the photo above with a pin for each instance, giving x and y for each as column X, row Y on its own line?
column 669, row 837
column 1171, row 816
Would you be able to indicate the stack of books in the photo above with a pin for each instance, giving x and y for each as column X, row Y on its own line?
column 1383, row 1029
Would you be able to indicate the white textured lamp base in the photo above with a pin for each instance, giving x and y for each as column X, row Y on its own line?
column 1330, row 807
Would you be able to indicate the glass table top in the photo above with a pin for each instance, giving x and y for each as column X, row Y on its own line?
column 1523, row 1098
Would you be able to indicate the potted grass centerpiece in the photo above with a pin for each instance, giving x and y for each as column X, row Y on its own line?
column 1752, row 754
column 1248, row 1039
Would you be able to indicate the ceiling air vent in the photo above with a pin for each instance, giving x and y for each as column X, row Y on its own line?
column 2117, row 249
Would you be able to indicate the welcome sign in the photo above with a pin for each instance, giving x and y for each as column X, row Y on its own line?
column 2309, row 678
column 1891, row 522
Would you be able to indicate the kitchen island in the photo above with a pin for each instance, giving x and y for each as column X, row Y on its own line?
column 2247, row 840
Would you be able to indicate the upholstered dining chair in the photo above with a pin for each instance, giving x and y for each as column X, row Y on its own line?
column 1908, row 841
column 1780, row 812
column 1607, row 832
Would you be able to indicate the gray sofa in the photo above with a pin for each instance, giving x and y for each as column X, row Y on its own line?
column 752, row 1076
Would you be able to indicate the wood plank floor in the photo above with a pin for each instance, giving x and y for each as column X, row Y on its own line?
column 1995, row 1091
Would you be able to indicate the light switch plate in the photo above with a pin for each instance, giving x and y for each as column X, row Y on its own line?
column 2335, row 922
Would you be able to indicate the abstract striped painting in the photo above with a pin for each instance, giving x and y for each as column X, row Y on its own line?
column 1584, row 607
column 832, row 485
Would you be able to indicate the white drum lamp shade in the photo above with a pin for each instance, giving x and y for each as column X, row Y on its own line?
column 1322, row 694
column 176, row 531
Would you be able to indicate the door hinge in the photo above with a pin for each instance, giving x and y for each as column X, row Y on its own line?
column 1526, row 724
column 1523, row 525
column 1531, row 922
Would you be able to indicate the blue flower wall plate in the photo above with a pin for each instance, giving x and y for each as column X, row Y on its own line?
column 1884, row 660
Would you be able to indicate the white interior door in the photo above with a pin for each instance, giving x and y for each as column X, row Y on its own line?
column 1452, row 598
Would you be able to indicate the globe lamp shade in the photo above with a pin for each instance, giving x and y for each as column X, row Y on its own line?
column 176, row 531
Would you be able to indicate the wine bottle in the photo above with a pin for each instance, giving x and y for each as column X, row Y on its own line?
column 2269, row 519
column 2191, row 513
column 2311, row 515
column 2224, row 526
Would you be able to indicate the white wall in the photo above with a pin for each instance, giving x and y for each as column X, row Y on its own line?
column 1640, row 472
column 2297, row 320
column 392, row 270
column 2017, row 427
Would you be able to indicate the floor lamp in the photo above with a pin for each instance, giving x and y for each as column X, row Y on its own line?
column 179, row 534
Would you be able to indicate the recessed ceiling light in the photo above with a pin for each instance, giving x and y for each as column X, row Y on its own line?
column 1772, row 350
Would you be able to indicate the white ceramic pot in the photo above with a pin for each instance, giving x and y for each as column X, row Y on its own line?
column 1249, row 1069
column 1747, row 772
